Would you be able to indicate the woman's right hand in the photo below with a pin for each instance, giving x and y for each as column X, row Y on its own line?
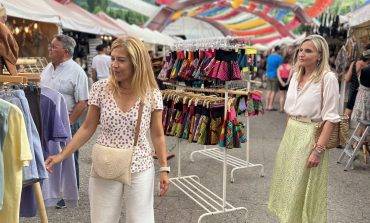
column 313, row 159
column 52, row 160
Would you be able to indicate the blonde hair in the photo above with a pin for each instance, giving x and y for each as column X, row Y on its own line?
column 322, row 66
column 143, row 80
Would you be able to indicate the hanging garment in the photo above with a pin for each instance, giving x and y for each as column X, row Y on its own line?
column 224, row 66
column 33, row 97
column 181, row 122
column 62, row 183
column 187, row 125
column 14, row 155
column 232, row 133
column 203, row 126
column 176, row 119
column 34, row 140
column 170, row 117
column 198, row 117
column 216, row 124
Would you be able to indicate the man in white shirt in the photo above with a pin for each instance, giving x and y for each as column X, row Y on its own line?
column 68, row 78
column 100, row 64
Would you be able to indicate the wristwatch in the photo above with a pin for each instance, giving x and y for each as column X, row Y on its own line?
column 165, row 169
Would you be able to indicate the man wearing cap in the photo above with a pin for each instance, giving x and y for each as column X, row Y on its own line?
column 8, row 45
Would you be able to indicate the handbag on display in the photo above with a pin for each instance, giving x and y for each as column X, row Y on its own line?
column 115, row 163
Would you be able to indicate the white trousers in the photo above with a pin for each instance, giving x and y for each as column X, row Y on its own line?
column 106, row 199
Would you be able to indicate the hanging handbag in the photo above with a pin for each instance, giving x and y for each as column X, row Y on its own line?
column 340, row 130
column 115, row 163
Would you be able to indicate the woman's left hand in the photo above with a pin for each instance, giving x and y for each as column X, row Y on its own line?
column 164, row 183
column 313, row 159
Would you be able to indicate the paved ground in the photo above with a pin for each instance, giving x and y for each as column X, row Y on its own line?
column 349, row 192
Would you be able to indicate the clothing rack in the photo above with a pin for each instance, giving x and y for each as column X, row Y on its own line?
column 191, row 186
column 13, row 79
column 216, row 153
column 235, row 162
column 36, row 186
column 228, row 42
column 27, row 76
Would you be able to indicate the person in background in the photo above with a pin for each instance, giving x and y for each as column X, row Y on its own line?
column 299, row 186
column 100, row 64
column 351, row 78
column 8, row 45
column 157, row 64
column 273, row 61
column 115, row 104
column 361, row 108
column 284, row 74
column 261, row 67
column 68, row 78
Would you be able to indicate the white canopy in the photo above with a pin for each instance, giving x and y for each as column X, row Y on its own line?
column 192, row 29
column 286, row 41
column 260, row 47
column 130, row 31
column 32, row 10
column 146, row 35
column 360, row 17
column 76, row 18
column 139, row 6
column 69, row 16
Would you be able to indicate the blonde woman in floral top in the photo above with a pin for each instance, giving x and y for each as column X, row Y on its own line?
column 114, row 103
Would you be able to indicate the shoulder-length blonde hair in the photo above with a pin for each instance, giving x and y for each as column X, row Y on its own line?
column 143, row 80
column 322, row 66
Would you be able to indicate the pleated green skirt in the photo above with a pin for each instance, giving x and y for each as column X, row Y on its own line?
column 299, row 194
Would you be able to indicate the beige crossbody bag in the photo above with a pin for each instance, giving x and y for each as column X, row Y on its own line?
column 113, row 163
column 340, row 132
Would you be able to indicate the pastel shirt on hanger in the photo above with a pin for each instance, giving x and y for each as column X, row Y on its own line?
column 4, row 111
column 30, row 173
column 62, row 183
column 16, row 154
column 38, row 163
column 307, row 101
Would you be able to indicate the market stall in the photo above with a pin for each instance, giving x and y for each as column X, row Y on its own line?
column 33, row 24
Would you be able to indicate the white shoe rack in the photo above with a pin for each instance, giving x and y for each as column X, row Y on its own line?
column 191, row 186
column 205, row 198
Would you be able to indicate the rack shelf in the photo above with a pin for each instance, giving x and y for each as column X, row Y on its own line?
column 205, row 198
column 236, row 163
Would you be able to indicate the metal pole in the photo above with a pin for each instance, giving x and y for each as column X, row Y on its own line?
column 225, row 160
column 248, row 120
column 178, row 158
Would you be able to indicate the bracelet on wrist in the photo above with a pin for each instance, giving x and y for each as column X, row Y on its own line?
column 319, row 148
column 165, row 169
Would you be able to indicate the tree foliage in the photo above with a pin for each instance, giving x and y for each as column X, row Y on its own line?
column 95, row 6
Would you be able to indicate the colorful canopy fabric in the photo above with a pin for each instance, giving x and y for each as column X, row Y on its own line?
column 265, row 20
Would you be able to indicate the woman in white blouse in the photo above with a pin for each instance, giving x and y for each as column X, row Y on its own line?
column 116, row 104
column 298, row 191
